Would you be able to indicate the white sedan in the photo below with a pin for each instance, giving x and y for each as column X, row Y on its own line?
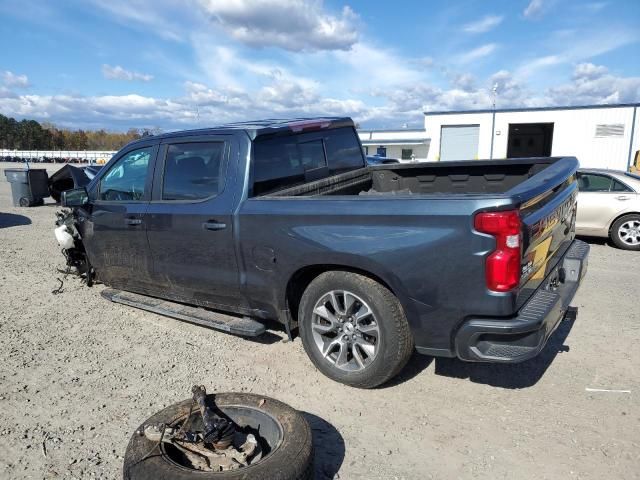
column 609, row 206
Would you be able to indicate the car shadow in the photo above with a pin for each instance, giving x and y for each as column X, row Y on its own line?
column 512, row 376
column 329, row 447
column 595, row 240
column 12, row 220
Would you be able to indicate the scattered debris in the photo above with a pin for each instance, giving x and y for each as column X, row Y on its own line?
column 606, row 390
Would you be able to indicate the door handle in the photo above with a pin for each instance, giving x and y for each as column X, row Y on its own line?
column 622, row 197
column 214, row 225
column 132, row 221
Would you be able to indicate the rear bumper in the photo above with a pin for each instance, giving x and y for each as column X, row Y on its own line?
column 520, row 338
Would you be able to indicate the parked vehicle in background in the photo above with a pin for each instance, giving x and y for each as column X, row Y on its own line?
column 376, row 160
column 609, row 206
column 284, row 220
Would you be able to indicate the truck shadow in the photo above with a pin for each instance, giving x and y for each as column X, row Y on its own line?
column 416, row 365
column 328, row 445
column 12, row 220
column 519, row 375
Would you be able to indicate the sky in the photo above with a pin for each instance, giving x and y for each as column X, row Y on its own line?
column 176, row 64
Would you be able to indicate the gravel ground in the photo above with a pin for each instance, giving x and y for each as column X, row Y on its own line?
column 78, row 374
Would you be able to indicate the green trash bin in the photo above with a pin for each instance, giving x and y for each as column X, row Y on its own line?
column 29, row 187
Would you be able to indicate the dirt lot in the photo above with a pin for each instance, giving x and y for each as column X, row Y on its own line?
column 78, row 374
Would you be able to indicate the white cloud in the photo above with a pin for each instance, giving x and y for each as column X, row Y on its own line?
column 11, row 79
column 119, row 73
column 578, row 48
column 157, row 16
column 294, row 25
column 477, row 53
column 285, row 96
column 484, row 24
column 594, row 84
column 535, row 9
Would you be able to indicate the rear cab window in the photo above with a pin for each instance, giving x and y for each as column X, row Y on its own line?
column 286, row 161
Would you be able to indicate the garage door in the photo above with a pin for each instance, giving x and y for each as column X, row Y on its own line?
column 459, row 142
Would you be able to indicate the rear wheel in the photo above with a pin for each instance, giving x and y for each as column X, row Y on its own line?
column 625, row 232
column 354, row 329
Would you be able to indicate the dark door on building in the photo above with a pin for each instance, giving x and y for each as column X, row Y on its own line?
column 530, row 140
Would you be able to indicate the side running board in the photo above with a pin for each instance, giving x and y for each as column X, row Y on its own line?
column 242, row 326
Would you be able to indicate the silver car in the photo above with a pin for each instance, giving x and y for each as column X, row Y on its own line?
column 609, row 206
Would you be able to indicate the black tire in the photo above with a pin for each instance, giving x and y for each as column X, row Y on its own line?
column 25, row 202
column 291, row 460
column 395, row 340
column 615, row 235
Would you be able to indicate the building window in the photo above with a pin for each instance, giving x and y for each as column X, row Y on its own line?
column 381, row 151
column 407, row 153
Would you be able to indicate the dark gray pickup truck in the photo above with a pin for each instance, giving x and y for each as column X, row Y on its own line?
column 284, row 220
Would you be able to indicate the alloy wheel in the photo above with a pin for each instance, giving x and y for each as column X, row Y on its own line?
column 345, row 330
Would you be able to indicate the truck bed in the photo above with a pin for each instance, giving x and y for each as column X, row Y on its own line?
column 465, row 177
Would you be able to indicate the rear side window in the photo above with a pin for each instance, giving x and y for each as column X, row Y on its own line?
column 343, row 150
column 620, row 187
column 193, row 171
column 283, row 162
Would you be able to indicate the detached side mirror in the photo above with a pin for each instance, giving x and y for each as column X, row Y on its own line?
column 76, row 197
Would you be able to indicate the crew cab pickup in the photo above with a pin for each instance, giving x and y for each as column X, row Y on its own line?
column 284, row 220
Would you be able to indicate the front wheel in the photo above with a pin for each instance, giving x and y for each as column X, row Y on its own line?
column 354, row 329
column 625, row 232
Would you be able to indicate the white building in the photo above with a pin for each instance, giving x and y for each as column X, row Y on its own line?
column 405, row 144
column 604, row 136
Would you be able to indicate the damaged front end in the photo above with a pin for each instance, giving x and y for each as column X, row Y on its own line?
column 69, row 239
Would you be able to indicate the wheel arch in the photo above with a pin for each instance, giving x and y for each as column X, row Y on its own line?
column 618, row 217
column 301, row 278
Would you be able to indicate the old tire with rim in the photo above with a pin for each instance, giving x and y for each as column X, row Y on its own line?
column 354, row 329
column 625, row 232
column 290, row 441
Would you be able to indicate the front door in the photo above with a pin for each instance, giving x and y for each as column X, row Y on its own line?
column 190, row 222
column 113, row 223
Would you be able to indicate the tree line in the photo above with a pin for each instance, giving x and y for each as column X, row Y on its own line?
column 32, row 135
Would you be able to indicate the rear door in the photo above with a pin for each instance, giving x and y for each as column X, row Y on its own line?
column 113, row 224
column 190, row 221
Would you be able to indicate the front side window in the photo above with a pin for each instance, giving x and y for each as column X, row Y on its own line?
column 193, row 171
column 126, row 179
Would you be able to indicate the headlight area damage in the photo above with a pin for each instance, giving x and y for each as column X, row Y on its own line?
column 70, row 241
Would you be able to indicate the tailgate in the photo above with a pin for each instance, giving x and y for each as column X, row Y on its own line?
column 548, row 230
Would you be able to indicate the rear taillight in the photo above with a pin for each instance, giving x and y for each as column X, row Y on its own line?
column 503, row 265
